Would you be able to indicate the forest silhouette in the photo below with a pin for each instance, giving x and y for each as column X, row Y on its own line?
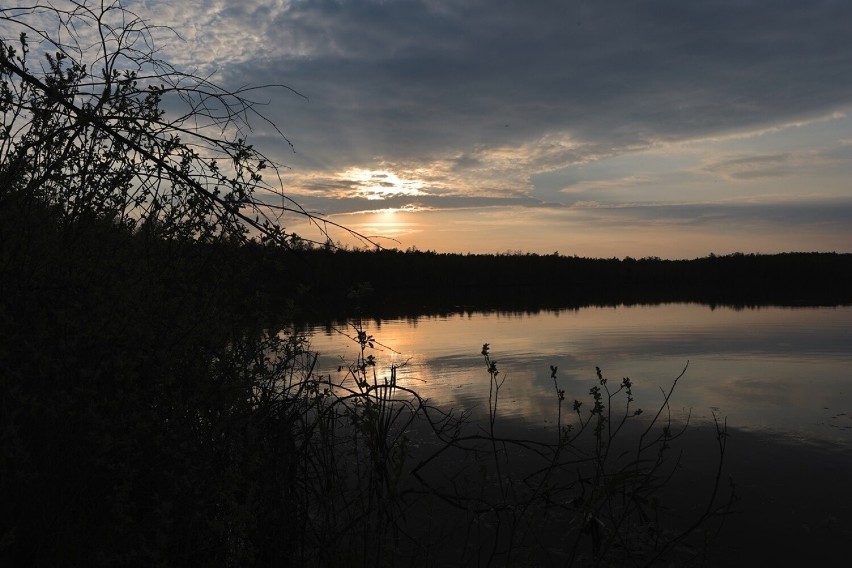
column 392, row 283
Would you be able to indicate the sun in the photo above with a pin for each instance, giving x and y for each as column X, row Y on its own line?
column 381, row 184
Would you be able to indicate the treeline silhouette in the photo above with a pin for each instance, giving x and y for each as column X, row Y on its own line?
column 320, row 283
column 336, row 283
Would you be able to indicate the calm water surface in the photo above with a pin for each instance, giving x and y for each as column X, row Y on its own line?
column 785, row 371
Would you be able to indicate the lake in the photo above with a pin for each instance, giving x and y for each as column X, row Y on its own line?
column 786, row 372
column 780, row 377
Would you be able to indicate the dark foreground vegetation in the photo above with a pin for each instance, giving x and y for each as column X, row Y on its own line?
column 155, row 412
column 156, row 407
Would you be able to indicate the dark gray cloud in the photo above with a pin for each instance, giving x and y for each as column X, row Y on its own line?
column 411, row 78
column 829, row 215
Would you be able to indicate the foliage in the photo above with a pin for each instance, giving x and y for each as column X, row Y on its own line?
column 150, row 416
column 102, row 126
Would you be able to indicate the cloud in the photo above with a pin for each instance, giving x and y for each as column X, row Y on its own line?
column 409, row 80
column 334, row 205
column 468, row 103
column 808, row 163
column 607, row 230
column 824, row 213
column 752, row 167
column 622, row 114
column 414, row 79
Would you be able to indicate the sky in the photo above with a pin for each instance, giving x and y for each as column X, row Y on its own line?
column 605, row 128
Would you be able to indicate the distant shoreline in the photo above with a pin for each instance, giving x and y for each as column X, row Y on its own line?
column 340, row 284
column 385, row 313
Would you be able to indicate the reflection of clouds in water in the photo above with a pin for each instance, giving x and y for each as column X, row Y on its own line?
column 527, row 391
column 792, row 394
column 773, row 368
column 758, row 391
